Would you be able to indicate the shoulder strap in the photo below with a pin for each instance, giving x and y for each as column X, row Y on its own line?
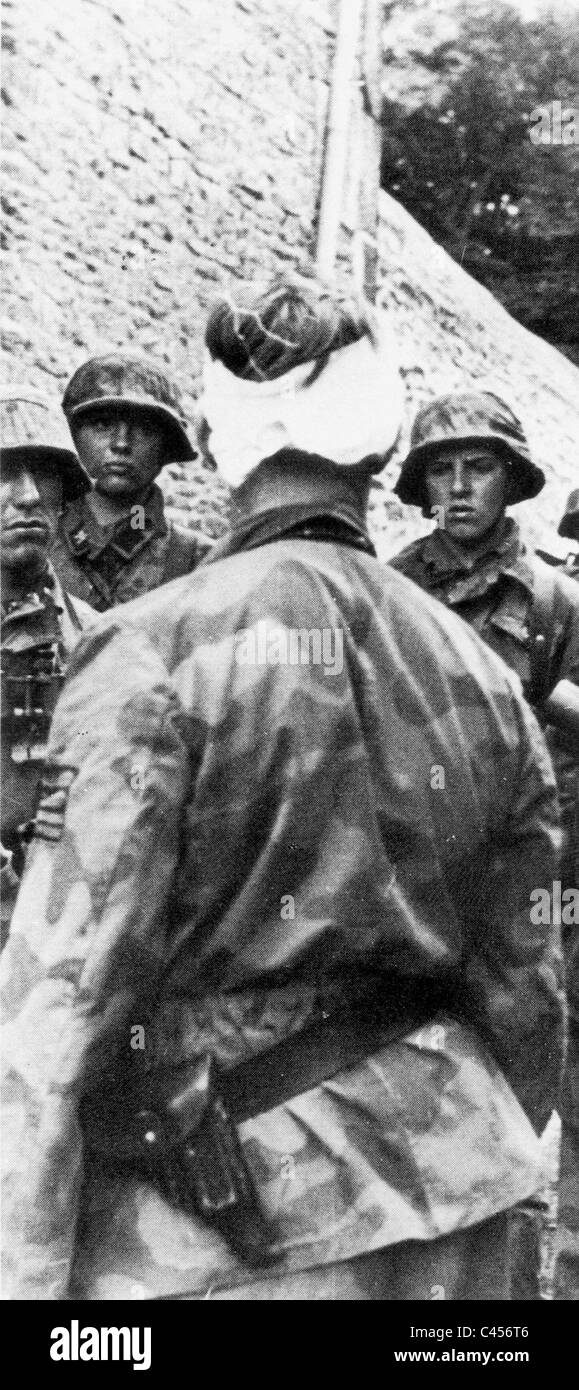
column 543, row 632
column 71, row 610
column 181, row 548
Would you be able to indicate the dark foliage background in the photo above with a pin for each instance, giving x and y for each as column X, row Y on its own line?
column 457, row 150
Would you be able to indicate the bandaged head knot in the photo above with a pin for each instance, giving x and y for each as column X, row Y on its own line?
column 351, row 410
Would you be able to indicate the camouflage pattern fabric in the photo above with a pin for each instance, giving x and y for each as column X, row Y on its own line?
column 243, row 832
column 42, row 623
column 467, row 1265
column 567, row 1258
column 493, row 593
column 110, row 565
column 467, row 417
column 566, row 762
column 135, row 381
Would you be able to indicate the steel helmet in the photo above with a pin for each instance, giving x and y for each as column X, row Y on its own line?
column 33, row 426
column 126, row 379
column 468, row 417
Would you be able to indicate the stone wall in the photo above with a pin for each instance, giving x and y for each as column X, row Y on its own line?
column 155, row 150
column 453, row 334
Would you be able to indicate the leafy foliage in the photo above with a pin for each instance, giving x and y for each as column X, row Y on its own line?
column 461, row 160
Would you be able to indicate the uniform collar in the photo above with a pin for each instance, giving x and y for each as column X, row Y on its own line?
column 284, row 521
column 80, row 524
column 505, row 553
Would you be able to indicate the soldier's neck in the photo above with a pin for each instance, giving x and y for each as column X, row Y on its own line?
column 17, row 583
column 474, row 550
column 108, row 510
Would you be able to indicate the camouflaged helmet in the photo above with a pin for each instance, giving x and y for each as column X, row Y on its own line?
column 32, row 425
column 468, row 417
column 569, row 523
column 124, row 379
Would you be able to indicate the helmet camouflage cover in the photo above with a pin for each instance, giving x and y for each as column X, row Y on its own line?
column 469, row 417
column 126, row 379
column 31, row 425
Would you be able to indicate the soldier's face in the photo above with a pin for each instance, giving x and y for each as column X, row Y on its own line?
column 30, row 502
column 123, row 450
column 467, row 489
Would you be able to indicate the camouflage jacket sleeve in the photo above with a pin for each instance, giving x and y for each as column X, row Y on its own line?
column 515, row 971
column 85, row 936
column 568, row 595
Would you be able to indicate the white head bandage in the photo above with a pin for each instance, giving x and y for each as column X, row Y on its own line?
column 351, row 410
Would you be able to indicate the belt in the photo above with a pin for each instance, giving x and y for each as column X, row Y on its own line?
column 178, row 1128
column 333, row 1043
column 330, row 1045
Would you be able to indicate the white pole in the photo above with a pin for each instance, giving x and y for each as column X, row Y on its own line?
column 334, row 172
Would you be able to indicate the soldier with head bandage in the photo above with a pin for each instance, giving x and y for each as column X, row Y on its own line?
column 324, row 384
column 300, row 893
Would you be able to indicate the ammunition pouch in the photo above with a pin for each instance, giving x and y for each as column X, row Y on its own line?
column 29, row 699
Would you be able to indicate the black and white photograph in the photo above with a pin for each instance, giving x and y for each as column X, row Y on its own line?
column 290, row 667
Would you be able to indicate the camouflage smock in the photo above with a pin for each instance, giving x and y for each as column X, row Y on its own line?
column 565, row 754
column 493, row 592
column 107, row 565
column 37, row 634
column 243, row 832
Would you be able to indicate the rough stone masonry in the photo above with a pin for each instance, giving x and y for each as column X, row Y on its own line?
column 157, row 150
